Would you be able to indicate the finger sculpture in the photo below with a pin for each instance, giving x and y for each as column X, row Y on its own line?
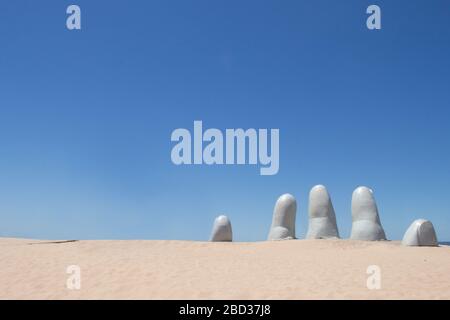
column 420, row 233
column 366, row 221
column 222, row 230
column 283, row 221
column 322, row 219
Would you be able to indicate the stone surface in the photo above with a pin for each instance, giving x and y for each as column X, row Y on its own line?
column 366, row 221
column 322, row 219
column 222, row 230
column 420, row 233
column 283, row 221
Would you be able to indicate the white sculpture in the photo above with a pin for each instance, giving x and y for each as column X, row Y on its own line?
column 283, row 221
column 366, row 222
column 322, row 219
column 222, row 230
column 420, row 233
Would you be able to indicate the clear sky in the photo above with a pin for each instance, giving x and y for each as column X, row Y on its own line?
column 86, row 116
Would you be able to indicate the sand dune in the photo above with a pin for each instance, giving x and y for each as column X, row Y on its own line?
column 296, row 269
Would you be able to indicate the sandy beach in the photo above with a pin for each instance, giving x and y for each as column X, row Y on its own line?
column 296, row 269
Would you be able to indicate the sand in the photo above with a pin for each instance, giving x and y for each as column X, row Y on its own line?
column 296, row 269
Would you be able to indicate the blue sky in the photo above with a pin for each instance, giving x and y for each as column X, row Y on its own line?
column 86, row 116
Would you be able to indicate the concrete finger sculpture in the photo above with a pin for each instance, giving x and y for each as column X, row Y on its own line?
column 322, row 219
column 221, row 230
column 420, row 233
column 283, row 221
column 366, row 221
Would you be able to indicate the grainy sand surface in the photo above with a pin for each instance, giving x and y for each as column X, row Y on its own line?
column 296, row 269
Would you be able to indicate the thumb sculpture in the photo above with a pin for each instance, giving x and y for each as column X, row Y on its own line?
column 322, row 219
column 420, row 233
column 366, row 222
column 283, row 221
column 222, row 230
